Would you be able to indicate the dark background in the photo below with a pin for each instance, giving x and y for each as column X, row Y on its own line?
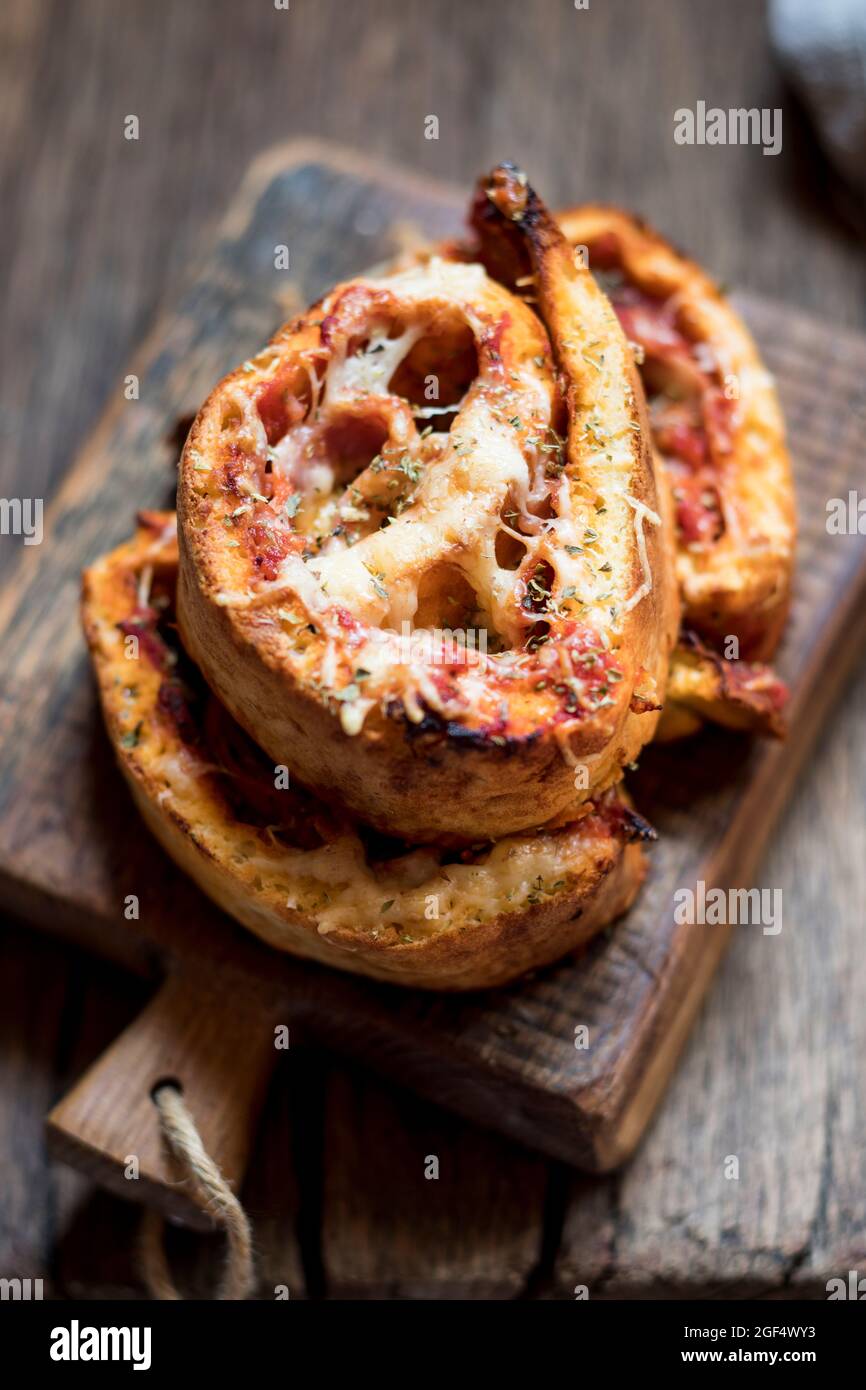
column 95, row 234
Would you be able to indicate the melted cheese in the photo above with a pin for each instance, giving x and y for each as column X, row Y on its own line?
column 642, row 513
column 492, row 455
column 368, row 373
column 455, row 280
column 454, row 518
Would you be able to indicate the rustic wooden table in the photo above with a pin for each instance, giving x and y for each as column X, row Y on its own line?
column 96, row 233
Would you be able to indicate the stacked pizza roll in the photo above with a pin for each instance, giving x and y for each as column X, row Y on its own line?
column 421, row 607
column 717, row 427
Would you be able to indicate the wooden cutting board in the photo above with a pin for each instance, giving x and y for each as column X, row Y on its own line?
column 72, row 847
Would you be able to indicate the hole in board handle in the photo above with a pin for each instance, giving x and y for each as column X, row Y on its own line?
column 165, row 1081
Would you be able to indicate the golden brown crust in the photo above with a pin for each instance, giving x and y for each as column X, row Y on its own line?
column 741, row 695
column 722, row 434
column 300, row 874
column 297, row 621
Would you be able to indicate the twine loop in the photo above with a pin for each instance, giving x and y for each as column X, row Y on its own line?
column 214, row 1194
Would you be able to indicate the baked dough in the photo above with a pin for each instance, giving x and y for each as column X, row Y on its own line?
column 716, row 422
column 406, row 460
column 719, row 433
column 301, row 875
column 702, row 686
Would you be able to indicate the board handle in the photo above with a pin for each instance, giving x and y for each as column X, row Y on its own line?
column 219, row 1047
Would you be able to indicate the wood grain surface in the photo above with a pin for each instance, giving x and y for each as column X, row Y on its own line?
column 95, row 236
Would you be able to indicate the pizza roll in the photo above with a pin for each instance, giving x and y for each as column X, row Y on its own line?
column 718, row 429
column 303, row 875
column 716, row 423
column 422, row 560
